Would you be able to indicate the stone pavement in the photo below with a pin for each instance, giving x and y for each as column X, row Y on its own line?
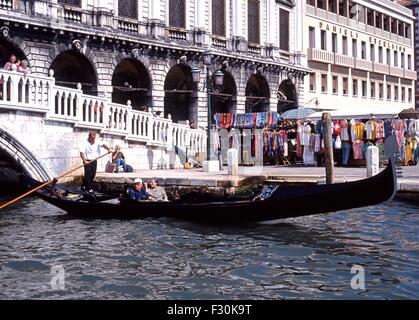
column 255, row 175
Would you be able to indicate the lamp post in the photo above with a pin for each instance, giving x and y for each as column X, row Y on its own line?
column 218, row 80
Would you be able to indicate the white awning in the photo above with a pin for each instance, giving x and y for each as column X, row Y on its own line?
column 353, row 114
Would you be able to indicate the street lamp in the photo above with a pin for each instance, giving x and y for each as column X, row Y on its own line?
column 218, row 80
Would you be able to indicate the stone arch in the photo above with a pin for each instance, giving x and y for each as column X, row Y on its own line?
column 22, row 156
column 131, row 81
column 72, row 67
column 180, row 94
column 257, row 94
column 225, row 100
column 7, row 48
column 287, row 96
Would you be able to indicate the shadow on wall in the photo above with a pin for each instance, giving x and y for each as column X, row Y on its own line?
column 150, row 156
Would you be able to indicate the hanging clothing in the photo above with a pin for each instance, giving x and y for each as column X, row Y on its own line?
column 371, row 129
column 358, row 148
column 344, row 130
column 380, row 132
column 388, row 128
column 399, row 127
column 336, row 128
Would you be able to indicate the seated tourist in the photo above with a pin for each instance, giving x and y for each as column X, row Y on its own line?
column 156, row 192
column 138, row 192
column 118, row 159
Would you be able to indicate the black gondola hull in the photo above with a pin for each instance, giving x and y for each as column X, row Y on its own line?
column 285, row 202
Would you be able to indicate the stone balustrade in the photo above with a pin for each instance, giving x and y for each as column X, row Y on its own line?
column 35, row 93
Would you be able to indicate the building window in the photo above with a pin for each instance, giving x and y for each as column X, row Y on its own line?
column 321, row 4
column 393, row 26
column 284, row 30
column 407, row 30
column 386, row 23
column 218, row 18
column 352, row 10
column 388, row 92
column 396, row 59
column 380, row 91
column 311, row 2
column 361, row 13
column 372, row 90
column 313, row 82
column 401, row 28
column 409, row 97
column 372, row 52
column 355, row 87
column 74, row 3
column 324, row 83
column 378, row 20
column 323, row 40
column 343, row 8
column 396, row 93
column 312, row 37
column 409, row 62
column 403, row 94
column 332, row 6
column 345, row 86
column 363, row 50
column 128, row 9
column 354, row 48
column 335, row 84
column 345, row 45
column 253, row 21
column 334, row 43
column 177, row 17
column 380, row 55
column 364, row 89
column 370, row 17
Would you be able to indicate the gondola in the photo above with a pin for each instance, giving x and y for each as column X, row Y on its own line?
column 274, row 202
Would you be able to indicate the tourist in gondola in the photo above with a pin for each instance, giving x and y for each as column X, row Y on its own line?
column 156, row 192
column 138, row 192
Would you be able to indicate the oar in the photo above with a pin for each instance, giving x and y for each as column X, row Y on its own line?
column 48, row 182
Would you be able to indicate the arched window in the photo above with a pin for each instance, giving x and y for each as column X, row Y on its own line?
column 177, row 17
column 218, row 18
column 128, row 9
column 253, row 21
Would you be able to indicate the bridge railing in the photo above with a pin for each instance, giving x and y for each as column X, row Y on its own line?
column 36, row 93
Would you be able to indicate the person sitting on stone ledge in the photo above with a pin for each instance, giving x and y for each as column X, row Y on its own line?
column 118, row 159
column 156, row 192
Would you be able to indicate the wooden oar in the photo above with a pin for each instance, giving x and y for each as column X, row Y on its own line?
column 48, row 182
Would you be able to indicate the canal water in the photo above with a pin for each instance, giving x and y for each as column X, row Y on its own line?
column 45, row 255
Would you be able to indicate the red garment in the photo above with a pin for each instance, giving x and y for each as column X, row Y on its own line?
column 336, row 128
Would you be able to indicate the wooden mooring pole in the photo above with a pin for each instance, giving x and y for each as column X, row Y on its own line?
column 328, row 148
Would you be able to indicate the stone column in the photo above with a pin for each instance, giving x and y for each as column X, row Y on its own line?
column 155, row 26
column 239, row 37
column 373, row 161
column 201, row 31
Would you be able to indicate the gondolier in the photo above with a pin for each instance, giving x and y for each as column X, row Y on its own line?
column 89, row 151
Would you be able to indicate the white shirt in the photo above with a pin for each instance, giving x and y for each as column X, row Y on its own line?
column 91, row 151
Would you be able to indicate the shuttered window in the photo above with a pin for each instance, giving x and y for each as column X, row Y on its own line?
column 177, row 10
column 128, row 9
column 218, row 18
column 284, row 30
column 253, row 21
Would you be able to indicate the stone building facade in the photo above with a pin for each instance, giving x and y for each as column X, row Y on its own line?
column 147, row 51
column 362, row 56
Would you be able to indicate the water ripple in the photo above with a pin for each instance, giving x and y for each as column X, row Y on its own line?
column 303, row 258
